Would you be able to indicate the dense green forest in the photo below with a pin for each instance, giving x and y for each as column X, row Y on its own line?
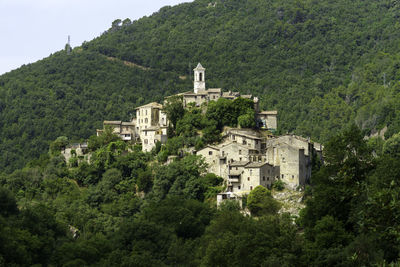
column 322, row 64
column 128, row 209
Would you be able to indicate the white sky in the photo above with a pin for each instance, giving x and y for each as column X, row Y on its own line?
column 33, row 29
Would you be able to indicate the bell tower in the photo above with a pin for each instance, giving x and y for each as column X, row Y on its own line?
column 199, row 78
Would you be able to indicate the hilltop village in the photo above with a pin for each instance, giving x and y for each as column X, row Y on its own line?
column 245, row 158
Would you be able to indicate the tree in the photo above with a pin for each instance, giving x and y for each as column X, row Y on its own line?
column 260, row 202
column 59, row 144
column 173, row 107
column 392, row 146
column 8, row 205
column 247, row 120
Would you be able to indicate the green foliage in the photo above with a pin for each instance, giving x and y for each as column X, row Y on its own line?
column 8, row 205
column 59, row 144
column 278, row 185
column 341, row 57
column 174, row 109
column 323, row 65
column 260, row 202
column 247, row 120
column 392, row 146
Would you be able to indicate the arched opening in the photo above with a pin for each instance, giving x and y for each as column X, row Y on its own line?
column 200, row 77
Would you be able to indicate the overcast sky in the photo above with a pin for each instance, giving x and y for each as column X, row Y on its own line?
column 33, row 29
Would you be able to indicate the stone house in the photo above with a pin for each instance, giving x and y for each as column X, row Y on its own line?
column 150, row 124
column 268, row 120
column 292, row 154
column 126, row 130
column 247, row 159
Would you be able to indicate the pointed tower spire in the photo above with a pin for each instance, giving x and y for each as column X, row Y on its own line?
column 199, row 78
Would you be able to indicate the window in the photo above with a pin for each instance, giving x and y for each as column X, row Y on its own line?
column 201, row 77
column 240, row 152
column 251, row 188
column 292, row 176
column 146, row 120
column 236, row 168
column 256, row 142
column 251, row 171
column 146, row 111
column 283, row 176
column 146, row 141
column 240, row 159
column 268, row 178
column 248, row 178
column 263, row 178
column 210, row 153
column 233, row 137
column 239, row 187
column 145, row 133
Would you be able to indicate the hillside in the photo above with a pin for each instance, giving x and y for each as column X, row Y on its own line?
column 322, row 64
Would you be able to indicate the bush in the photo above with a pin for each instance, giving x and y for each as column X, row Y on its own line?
column 279, row 185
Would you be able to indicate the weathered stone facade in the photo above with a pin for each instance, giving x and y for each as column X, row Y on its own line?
column 248, row 158
column 150, row 124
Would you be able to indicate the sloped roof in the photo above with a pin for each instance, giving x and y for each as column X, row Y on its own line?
column 256, row 164
column 152, row 104
column 214, row 90
column 128, row 124
column 246, row 96
column 239, row 163
column 199, row 67
column 112, row 122
column 269, row 112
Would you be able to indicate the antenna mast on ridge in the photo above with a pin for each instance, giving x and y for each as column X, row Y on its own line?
column 68, row 46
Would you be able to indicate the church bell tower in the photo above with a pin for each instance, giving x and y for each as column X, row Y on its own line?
column 199, row 78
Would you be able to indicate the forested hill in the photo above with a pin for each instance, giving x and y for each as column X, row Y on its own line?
column 322, row 64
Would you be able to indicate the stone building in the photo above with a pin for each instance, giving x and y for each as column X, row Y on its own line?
column 267, row 120
column 126, row 130
column 150, row 124
column 248, row 158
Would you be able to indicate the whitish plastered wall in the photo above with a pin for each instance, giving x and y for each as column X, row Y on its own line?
column 162, row 118
column 149, row 139
column 211, row 157
column 147, row 116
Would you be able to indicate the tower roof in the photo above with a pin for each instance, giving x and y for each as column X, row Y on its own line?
column 199, row 67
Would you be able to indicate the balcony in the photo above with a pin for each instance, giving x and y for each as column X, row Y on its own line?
column 234, row 178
